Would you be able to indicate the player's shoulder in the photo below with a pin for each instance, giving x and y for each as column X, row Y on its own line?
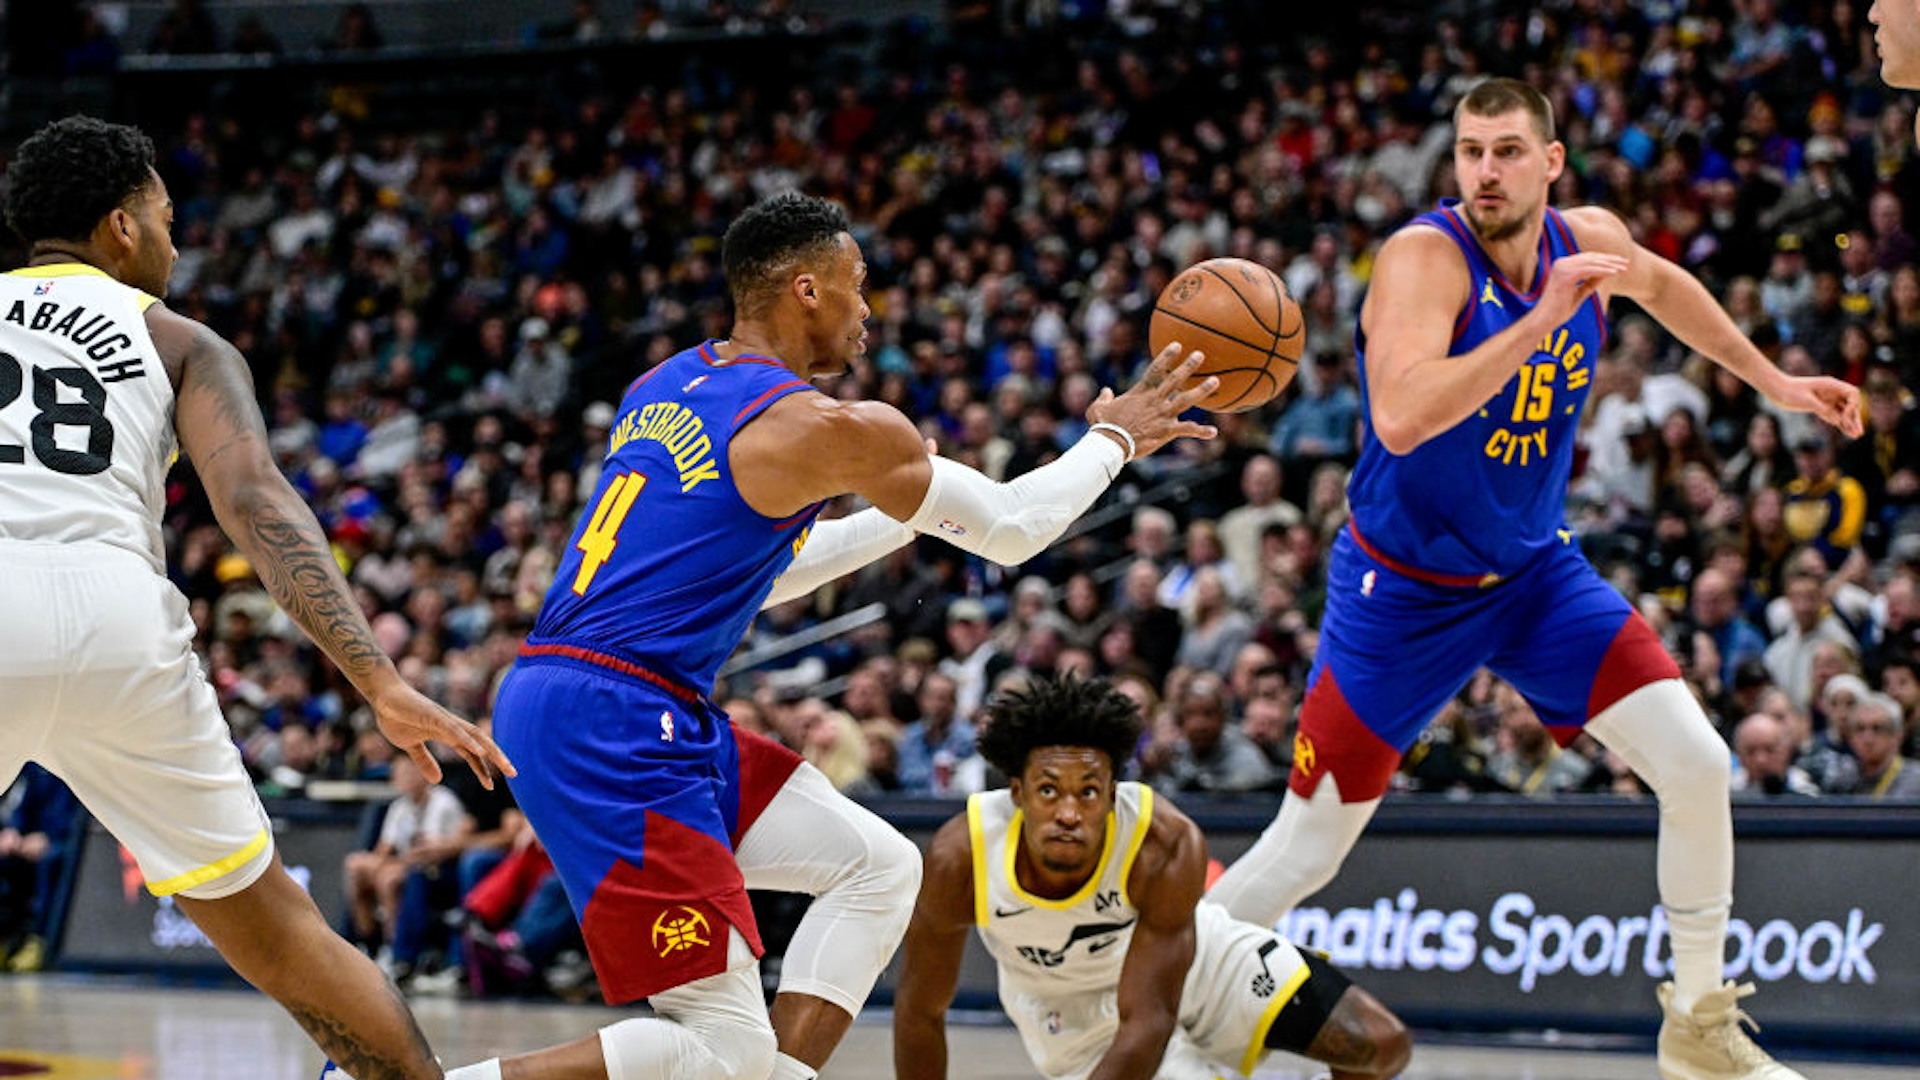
column 1597, row 228
column 1420, row 250
column 950, row 853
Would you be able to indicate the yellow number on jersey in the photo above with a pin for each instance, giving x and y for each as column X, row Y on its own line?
column 1534, row 399
column 597, row 543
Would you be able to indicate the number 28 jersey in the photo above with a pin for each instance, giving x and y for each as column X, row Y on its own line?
column 86, row 412
column 668, row 564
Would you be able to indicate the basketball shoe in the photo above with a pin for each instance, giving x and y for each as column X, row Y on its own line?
column 1712, row 1044
column 330, row 1071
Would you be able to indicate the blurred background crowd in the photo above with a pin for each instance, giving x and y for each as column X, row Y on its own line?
column 442, row 311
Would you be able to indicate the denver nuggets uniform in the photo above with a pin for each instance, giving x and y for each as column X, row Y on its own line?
column 1060, row 960
column 96, row 647
column 1458, row 556
column 630, row 774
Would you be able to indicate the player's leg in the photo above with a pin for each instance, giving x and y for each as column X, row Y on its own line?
column 1365, row 704
column 631, row 821
column 141, row 741
column 1250, row 991
column 806, row 837
column 275, row 938
column 1592, row 658
column 713, row 1028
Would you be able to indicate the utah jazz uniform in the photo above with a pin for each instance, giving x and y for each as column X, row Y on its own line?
column 1458, row 556
column 629, row 773
column 1059, row 961
column 96, row 646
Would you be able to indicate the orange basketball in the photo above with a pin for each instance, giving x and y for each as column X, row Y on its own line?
column 1240, row 315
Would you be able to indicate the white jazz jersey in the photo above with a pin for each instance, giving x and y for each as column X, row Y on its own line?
column 97, row 667
column 86, row 412
column 1060, row 960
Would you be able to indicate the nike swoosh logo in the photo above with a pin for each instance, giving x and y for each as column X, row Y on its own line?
column 1098, row 945
column 999, row 913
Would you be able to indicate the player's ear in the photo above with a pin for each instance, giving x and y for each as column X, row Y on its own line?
column 806, row 289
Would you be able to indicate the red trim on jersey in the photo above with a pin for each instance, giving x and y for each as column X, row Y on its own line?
column 644, row 376
column 614, row 663
column 765, row 766
column 1449, row 581
column 762, row 399
column 714, row 359
column 1635, row 659
column 666, row 922
column 1599, row 310
column 1493, row 268
column 1333, row 741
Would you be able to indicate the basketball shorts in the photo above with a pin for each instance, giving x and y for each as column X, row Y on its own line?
column 1243, row 980
column 640, row 795
column 102, row 687
column 1394, row 649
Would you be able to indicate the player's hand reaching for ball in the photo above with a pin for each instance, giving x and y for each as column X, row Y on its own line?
column 1150, row 410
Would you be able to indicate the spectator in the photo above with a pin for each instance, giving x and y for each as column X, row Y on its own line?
column 1716, row 613
column 1240, row 528
column 420, row 814
column 1874, row 734
column 933, row 744
column 1764, row 749
column 974, row 661
column 1322, row 422
column 1789, row 658
column 40, row 823
column 1528, row 760
column 1824, row 507
column 1211, row 754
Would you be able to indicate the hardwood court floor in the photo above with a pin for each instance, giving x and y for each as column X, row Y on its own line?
column 71, row 1028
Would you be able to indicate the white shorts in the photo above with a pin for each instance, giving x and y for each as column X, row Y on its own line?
column 1242, row 976
column 102, row 687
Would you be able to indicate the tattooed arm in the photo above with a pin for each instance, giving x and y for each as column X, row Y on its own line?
column 223, row 434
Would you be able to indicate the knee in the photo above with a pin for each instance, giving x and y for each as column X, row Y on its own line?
column 895, row 865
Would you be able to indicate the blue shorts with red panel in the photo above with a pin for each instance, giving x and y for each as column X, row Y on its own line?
column 640, row 791
column 1396, row 644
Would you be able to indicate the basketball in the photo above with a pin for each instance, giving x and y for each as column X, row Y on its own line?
column 1237, row 313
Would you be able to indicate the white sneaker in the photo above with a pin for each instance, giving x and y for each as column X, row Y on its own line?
column 330, row 1071
column 1712, row 1043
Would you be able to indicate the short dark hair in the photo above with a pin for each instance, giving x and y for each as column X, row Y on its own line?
column 766, row 239
column 1059, row 712
column 72, row 173
column 1498, row 97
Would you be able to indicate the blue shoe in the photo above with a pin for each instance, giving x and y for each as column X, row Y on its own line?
column 330, row 1071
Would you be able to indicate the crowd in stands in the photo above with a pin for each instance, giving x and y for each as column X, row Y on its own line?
column 440, row 321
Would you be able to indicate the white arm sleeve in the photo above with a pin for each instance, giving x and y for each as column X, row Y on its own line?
column 836, row 547
column 1012, row 522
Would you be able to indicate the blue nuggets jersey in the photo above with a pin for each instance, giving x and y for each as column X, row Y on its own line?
column 668, row 565
column 1488, row 495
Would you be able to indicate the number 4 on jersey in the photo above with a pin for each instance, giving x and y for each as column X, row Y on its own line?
column 596, row 544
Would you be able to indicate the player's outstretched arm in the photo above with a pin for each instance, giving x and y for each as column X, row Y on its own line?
column 1166, row 884
column 930, row 955
column 1415, row 391
column 1679, row 302
column 223, row 434
column 808, row 447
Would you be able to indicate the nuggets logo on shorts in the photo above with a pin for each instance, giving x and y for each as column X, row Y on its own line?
column 1303, row 754
column 679, row 929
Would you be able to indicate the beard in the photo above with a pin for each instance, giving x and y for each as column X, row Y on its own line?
column 1493, row 232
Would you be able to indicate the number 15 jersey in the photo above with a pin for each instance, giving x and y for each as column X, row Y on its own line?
column 86, row 412
column 668, row 564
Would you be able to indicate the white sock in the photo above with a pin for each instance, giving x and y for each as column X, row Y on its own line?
column 786, row 1068
column 1661, row 732
column 486, row 1070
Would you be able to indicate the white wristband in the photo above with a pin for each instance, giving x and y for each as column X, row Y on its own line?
column 1126, row 436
